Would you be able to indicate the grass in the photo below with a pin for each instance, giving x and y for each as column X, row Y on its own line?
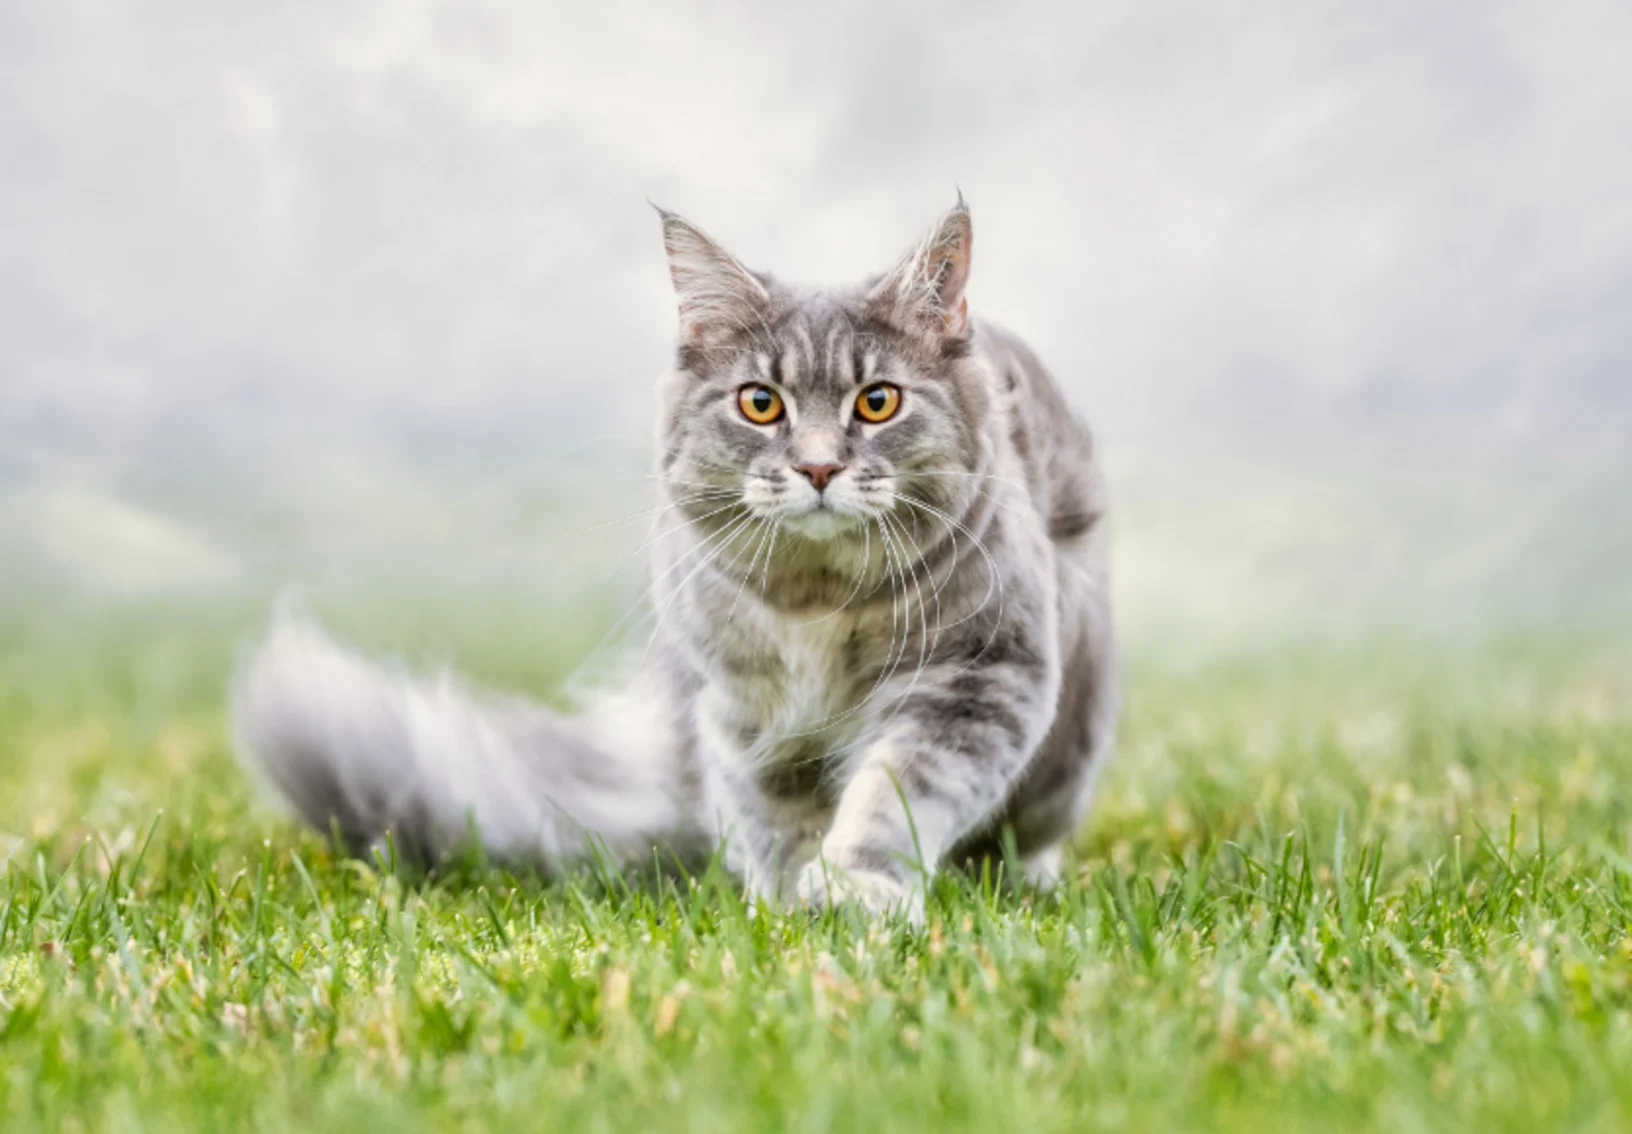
column 1377, row 890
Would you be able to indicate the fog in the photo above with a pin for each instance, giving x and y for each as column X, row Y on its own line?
column 367, row 296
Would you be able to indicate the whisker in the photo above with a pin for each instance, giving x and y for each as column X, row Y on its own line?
column 702, row 485
column 719, row 544
column 656, row 508
column 765, row 576
column 762, row 534
column 968, row 475
column 685, row 522
column 994, row 580
column 623, row 623
column 923, row 618
column 1023, row 507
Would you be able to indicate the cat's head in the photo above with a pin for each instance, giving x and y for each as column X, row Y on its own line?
column 823, row 409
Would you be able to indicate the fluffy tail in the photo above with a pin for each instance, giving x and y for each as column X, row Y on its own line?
column 372, row 750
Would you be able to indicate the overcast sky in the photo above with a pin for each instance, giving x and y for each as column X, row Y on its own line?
column 247, row 241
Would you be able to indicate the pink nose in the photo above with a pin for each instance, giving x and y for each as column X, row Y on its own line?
column 819, row 475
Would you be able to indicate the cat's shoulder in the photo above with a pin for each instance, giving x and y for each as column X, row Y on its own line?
column 1048, row 433
column 1021, row 373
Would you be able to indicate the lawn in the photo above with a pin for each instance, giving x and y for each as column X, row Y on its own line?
column 1381, row 887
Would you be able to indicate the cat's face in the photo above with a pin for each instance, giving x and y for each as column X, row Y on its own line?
column 823, row 411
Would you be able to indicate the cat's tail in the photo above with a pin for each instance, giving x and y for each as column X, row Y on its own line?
column 369, row 749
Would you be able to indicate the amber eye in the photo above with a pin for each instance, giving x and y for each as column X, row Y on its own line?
column 760, row 404
column 878, row 403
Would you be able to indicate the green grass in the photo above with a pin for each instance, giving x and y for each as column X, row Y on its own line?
column 1377, row 890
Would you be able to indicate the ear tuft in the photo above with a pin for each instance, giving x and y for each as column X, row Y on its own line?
column 716, row 294
column 925, row 291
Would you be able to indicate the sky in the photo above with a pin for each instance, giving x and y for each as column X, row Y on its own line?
column 338, row 290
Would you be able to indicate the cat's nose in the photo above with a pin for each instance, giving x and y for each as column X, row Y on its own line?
column 818, row 475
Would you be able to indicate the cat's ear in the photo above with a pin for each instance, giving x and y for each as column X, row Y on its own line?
column 924, row 292
column 717, row 295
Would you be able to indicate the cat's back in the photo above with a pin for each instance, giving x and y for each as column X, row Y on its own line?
column 1049, row 438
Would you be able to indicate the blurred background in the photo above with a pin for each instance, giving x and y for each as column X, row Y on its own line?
column 366, row 297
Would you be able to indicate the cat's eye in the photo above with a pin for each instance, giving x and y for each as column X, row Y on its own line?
column 760, row 404
column 878, row 402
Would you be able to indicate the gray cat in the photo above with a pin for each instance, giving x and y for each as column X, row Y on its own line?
column 883, row 637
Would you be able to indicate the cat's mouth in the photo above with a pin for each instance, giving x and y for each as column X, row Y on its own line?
column 821, row 522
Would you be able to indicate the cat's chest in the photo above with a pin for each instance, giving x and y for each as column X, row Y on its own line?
column 796, row 678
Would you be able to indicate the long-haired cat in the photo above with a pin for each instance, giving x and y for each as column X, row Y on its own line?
column 884, row 640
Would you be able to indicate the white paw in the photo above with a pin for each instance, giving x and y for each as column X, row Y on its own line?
column 1042, row 870
column 822, row 885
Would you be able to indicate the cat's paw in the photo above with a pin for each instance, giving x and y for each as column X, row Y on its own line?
column 822, row 885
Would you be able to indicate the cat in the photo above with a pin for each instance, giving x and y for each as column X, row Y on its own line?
column 883, row 644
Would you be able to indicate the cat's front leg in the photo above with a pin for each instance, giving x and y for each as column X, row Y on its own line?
column 760, row 832
column 758, row 847
column 943, row 764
